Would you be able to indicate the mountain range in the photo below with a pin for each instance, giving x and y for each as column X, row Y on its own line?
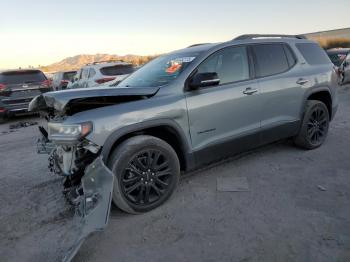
column 76, row 62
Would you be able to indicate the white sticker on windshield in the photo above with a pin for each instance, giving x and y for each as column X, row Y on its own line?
column 181, row 60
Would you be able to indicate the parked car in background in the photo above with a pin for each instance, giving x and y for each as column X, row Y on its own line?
column 18, row 88
column 344, row 70
column 337, row 56
column 60, row 80
column 99, row 73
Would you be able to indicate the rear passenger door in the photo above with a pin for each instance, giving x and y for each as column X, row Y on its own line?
column 281, row 89
column 84, row 77
column 90, row 80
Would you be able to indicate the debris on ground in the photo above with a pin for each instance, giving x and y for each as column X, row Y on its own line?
column 23, row 124
column 232, row 184
column 322, row 188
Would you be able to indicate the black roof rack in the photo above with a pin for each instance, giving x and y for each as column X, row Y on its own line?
column 252, row 36
column 107, row 61
column 197, row 45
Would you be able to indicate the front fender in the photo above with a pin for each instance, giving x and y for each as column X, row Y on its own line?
column 183, row 140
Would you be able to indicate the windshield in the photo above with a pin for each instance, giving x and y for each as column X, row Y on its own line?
column 160, row 71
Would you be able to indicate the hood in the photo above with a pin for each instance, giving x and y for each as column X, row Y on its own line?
column 88, row 98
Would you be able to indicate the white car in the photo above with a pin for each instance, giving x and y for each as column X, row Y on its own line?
column 99, row 73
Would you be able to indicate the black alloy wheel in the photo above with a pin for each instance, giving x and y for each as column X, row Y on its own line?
column 314, row 127
column 147, row 171
column 147, row 177
column 317, row 125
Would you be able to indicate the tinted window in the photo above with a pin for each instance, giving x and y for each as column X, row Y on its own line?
column 22, row 77
column 69, row 75
column 231, row 64
column 117, row 70
column 313, row 54
column 270, row 59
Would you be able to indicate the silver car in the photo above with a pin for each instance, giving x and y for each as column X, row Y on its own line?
column 98, row 73
column 183, row 110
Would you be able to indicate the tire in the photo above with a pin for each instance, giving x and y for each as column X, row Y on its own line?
column 143, row 166
column 314, row 128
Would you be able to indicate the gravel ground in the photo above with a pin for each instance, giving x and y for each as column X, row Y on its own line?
column 294, row 207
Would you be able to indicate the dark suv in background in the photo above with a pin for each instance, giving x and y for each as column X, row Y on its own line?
column 18, row 88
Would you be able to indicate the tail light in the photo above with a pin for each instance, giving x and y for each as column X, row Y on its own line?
column 2, row 87
column 104, row 80
column 46, row 83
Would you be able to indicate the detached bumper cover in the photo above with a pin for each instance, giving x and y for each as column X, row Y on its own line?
column 94, row 203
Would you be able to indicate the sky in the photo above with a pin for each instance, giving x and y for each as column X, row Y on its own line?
column 41, row 32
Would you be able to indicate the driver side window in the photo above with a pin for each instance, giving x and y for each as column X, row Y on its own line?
column 230, row 63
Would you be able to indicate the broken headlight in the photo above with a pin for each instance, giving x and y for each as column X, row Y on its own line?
column 68, row 132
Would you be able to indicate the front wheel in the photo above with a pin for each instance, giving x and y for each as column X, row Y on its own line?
column 314, row 128
column 146, row 170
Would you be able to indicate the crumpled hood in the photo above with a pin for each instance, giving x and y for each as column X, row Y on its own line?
column 59, row 100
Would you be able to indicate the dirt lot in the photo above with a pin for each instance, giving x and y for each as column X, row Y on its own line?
column 296, row 208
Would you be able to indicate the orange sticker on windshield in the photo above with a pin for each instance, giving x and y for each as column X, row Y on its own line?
column 172, row 69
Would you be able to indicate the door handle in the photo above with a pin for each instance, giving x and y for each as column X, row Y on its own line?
column 249, row 91
column 302, row 81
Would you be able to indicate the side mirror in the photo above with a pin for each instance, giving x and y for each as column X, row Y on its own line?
column 204, row 80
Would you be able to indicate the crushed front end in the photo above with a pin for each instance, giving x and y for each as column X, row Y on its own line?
column 87, row 182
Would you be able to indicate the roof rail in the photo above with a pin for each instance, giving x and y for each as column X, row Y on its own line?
column 255, row 36
column 107, row 61
column 197, row 45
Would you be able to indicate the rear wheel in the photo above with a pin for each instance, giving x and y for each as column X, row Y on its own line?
column 314, row 128
column 146, row 170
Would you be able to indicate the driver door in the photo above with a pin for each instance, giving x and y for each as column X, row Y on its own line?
column 225, row 119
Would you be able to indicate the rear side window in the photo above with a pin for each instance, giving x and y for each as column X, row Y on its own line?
column 313, row 54
column 22, row 77
column 270, row 59
column 69, row 75
column 117, row 70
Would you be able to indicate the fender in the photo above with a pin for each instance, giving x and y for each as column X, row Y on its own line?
column 311, row 91
column 117, row 134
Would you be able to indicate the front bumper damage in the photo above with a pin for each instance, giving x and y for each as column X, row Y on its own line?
column 92, row 199
column 95, row 196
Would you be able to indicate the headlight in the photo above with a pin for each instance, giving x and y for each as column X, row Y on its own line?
column 68, row 132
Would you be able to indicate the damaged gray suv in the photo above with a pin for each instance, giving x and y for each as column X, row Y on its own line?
column 128, row 144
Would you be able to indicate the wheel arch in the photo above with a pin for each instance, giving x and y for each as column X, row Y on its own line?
column 167, row 130
column 321, row 94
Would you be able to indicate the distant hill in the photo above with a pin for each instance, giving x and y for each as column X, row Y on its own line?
column 343, row 33
column 76, row 62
